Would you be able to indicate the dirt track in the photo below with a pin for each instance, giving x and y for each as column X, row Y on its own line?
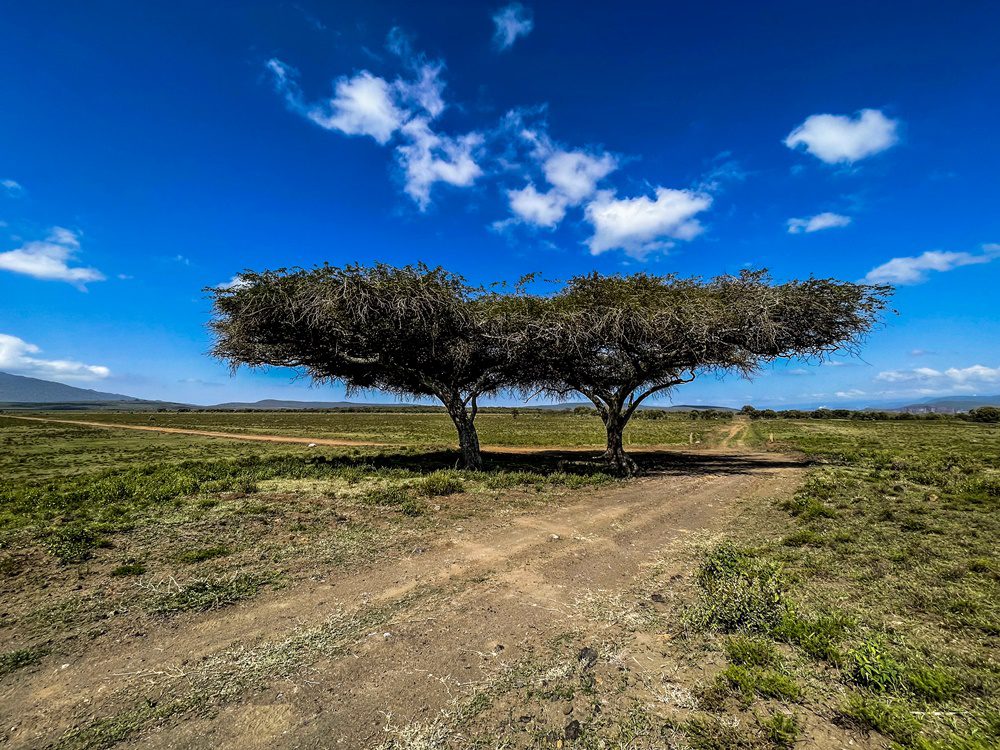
column 409, row 638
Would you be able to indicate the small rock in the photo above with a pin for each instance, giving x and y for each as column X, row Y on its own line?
column 573, row 730
column 568, row 709
column 658, row 598
column 587, row 658
column 553, row 537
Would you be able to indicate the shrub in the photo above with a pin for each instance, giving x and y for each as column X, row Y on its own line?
column 873, row 667
column 205, row 553
column 782, row 730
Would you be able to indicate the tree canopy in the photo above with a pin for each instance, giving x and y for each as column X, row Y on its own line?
column 413, row 331
column 617, row 340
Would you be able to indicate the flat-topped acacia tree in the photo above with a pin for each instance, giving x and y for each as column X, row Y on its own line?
column 413, row 331
column 618, row 340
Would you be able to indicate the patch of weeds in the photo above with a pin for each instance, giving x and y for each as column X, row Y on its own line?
column 767, row 683
column 748, row 651
column 439, row 483
column 872, row 666
column 818, row 636
column 932, row 683
column 803, row 538
column 739, row 592
column 891, row 718
column 388, row 496
column 709, row 733
column 73, row 543
column 129, row 567
column 14, row 660
column 203, row 595
column 191, row 556
column 782, row 730
column 412, row 507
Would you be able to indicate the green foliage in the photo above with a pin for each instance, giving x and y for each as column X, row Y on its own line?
column 11, row 661
column 739, row 591
column 767, row 683
column 206, row 594
column 891, row 718
column 783, row 730
column 818, row 636
column 874, row 668
column 751, row 651
column 439, row 483
column 129, row 568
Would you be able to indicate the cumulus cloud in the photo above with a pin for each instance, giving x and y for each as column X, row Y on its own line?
column 841, row 139
column 431, row 157
column 815, row 223
column 541, row 209
column 642, row 225
column 572, row 175
column 958, row 378
column 914, row 269
column 510, row 23
column 17, row 356
column 361, row 105
column 575, row 174
column 50, row 259
column 11, row 188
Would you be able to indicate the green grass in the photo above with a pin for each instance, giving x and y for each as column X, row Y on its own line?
column 11, row 661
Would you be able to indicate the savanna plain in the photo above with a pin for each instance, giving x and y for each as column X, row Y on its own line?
column 768, row 583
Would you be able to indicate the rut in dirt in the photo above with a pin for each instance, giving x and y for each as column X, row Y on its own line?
column 426, row 629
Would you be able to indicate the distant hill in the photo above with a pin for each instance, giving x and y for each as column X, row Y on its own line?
column 271, row 404
column 20, row 389
column 949, row 404
column 672, row 407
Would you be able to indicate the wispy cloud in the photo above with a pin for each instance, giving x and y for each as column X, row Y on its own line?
column 11, row 188
column 511, row 23
column 954, row 378
column 50, row 259
column 17, row 356
column 841, row 139
column 826, row 220
column 914, row 269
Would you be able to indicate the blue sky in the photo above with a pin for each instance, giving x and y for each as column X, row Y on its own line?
column 148, row 150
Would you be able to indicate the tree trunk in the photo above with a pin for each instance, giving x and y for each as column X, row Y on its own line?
column 615, row 454
column 468, row 439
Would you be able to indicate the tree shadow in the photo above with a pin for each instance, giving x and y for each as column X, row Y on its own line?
column 582, row 461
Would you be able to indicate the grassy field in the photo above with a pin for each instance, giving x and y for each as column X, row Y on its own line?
column 507, row 429
column 864, row 606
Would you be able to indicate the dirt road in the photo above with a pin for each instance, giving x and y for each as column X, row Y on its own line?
column 439, row 641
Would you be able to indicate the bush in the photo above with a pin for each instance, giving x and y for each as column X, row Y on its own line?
column 439, row 483
column 747, row 651
column 873, row 667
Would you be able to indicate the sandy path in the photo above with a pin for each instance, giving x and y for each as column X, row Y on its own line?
column 515, row 582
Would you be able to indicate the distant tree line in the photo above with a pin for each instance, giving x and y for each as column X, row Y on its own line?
column 615, row 340
column 981, row 414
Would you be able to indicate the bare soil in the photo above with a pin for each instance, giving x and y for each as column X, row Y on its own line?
column 471, row 638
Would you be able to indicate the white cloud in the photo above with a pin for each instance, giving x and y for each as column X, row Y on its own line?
column 12, row 188
column 913, row 270
column 16, row 356
column 542, row 209
column 236, row 282
column 641, row 225
column 430, row 157
column 815, row 223
column 511, row 23
column 575, row 174
column 838, row 139
column 361, row 105
column 426, row 90
column 959, row 378
column 49, row 259
column 852, row 393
